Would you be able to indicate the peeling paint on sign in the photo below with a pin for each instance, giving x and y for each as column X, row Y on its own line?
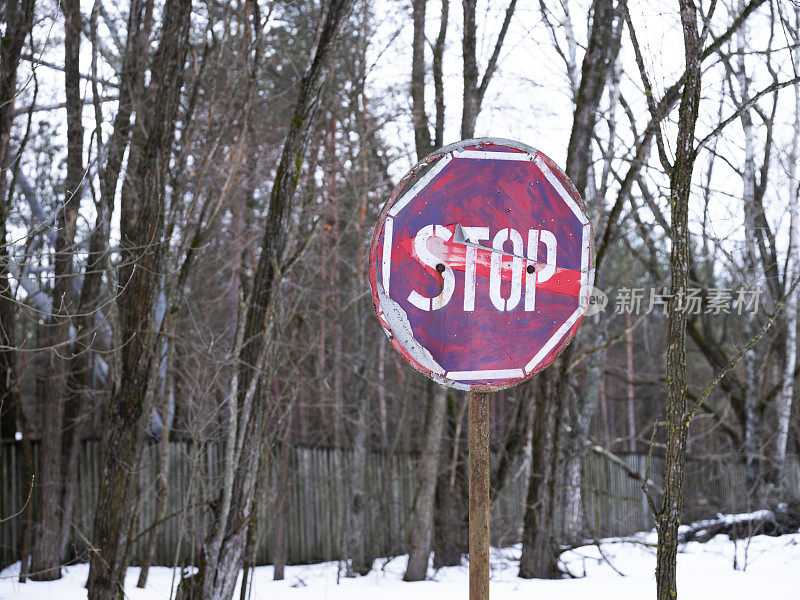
column 479, row 262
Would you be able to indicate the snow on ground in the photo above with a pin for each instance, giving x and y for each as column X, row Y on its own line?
column 705, row 571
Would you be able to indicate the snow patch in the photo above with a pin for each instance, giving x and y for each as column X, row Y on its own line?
column 704, row 571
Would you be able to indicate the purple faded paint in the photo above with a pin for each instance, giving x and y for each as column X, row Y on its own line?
column 495, row 184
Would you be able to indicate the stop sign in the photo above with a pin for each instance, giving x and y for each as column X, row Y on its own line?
column 481, row 264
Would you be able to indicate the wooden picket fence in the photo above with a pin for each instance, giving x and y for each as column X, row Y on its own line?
column 317, row 506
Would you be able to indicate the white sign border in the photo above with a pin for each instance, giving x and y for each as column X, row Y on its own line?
column 454, row 378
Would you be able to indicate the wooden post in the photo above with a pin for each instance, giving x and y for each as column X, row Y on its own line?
column 479, row 506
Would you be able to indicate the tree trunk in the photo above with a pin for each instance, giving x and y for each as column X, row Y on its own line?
column 677, row 418
column 360, row 562
column 279, row 514
column 598, row 64
column 438, row 74
column 382, row 406
column 162, row 479
column 793, row 272
column 88, row 319
column 256, row 528
column 18, row 18
column 46, row 557
column 141, row 231
column 752, row 427
column 474, row 91
column 573, row 501
column 586, row 405
column 596, row 70
column 470, row 105
column 419, row 118
column 539, row 559
column 28, row 480
column 75, row 174
column 450, row 541
column 630, row 391
column 421, row 522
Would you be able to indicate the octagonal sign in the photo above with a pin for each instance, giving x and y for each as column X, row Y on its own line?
column 481, row 264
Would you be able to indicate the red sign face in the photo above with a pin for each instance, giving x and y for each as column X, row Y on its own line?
column 481, row 264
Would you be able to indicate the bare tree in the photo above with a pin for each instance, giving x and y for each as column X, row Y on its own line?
column 677, row 416
column 597, row 76
column 475, row 90
column 423, row 141
column 421, row 523
column 539, row 538
column 54, row 514
column 793, row 273
column 141, row 229
column 419, row 118
column 752, row 429
column 279, row 514
column 223, row 550
column 630, row 388
column 18, row 17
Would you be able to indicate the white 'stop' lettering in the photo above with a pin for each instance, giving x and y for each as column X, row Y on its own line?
column 477, row 236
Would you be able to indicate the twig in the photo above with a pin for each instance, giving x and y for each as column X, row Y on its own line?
column 24, row 506
column 774, row 87
column 56, row 67
column 605, row 346
column 648, row 89
column 779, row 307
column 632, row 473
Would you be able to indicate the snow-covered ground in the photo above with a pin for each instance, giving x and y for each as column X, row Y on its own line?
column 705, row 571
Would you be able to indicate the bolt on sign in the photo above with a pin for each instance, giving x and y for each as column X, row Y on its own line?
column 481, row 264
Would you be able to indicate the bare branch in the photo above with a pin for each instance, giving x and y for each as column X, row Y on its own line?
column 738, row 358
column 37, row 61
column 655, row 116
column 774, row 87
column 492, row 66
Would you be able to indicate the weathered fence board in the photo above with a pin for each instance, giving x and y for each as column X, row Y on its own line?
column 317, row 514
